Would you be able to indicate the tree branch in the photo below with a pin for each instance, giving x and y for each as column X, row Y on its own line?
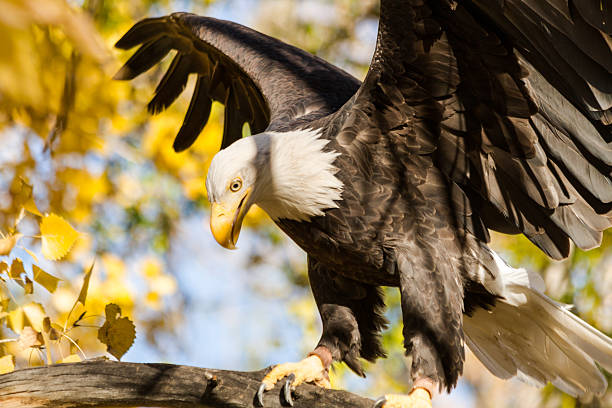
column 101, row 383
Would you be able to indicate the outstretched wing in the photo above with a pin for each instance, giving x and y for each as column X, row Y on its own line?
column 494, row 115
column 512, row 100
column 261, row 80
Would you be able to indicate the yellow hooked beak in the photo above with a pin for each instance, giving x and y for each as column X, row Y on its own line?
column 226, row 220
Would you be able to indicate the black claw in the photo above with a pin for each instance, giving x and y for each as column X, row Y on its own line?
column 287, row 389
column 259, row 396
column 380, row 402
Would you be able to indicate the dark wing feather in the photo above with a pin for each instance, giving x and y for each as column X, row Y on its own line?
column 171, row 85
column 510, row 103
column 149, row 54
column 196, row 117
column 234, row 118
column 526, row 93
column 259, row 79
column 560, row 66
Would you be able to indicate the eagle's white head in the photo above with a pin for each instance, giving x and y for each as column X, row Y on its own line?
column 289, row 175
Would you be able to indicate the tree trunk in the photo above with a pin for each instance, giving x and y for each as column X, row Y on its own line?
column 101, row 383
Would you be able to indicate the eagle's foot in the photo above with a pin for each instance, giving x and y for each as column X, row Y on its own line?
column 418, row 398
column 311, row 369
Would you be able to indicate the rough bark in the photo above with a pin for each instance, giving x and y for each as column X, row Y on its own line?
column 102, row 383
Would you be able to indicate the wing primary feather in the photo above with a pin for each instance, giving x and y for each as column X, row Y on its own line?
column 219, row 83
column 561, row 148
column 599, row 17
column 233, row 120
column 147, row 55
column 171, row 85
column 142, row 32
column 196, row 117
column 231, row 55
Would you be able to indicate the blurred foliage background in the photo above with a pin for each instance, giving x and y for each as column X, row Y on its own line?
column 94, row 156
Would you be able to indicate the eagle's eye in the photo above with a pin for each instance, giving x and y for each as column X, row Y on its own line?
column 236, row 185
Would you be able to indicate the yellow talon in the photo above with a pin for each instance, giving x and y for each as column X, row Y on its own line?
column 418, row 398
column 309, row 369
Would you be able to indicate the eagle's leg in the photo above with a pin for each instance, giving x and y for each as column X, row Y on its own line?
column 432, row 329
column 352, row 317
column 419, row 397
column 312, row 369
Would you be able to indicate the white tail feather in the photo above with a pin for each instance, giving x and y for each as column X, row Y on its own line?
column 531, row 336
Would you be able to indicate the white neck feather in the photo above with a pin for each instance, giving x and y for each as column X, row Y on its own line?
column 299, row 179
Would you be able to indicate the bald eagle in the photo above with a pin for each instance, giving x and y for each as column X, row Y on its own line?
column 474, row 116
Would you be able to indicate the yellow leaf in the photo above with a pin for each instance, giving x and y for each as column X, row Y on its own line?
column 30, row 206
column 28, row 286
column 4, row 303
column 7, row 243
column 63, row 299
column 32, row 254
column 3, row 267
column 74, row 347
column 35, row 314
column 113, row 266
column 90, row 188
column 7, row 364
column 54, row 334
column 19, row 217
column 16, row 273
column 58, row 236
column 30, row 338
column 83, row 293
column 73, row 358
column 77, row 26
column 118, row 333
column 44, row 279
column 153, row 300
column 151, row 267
column 16, row 269
column 47, row 324
column 16, row 320
column 24, row 198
